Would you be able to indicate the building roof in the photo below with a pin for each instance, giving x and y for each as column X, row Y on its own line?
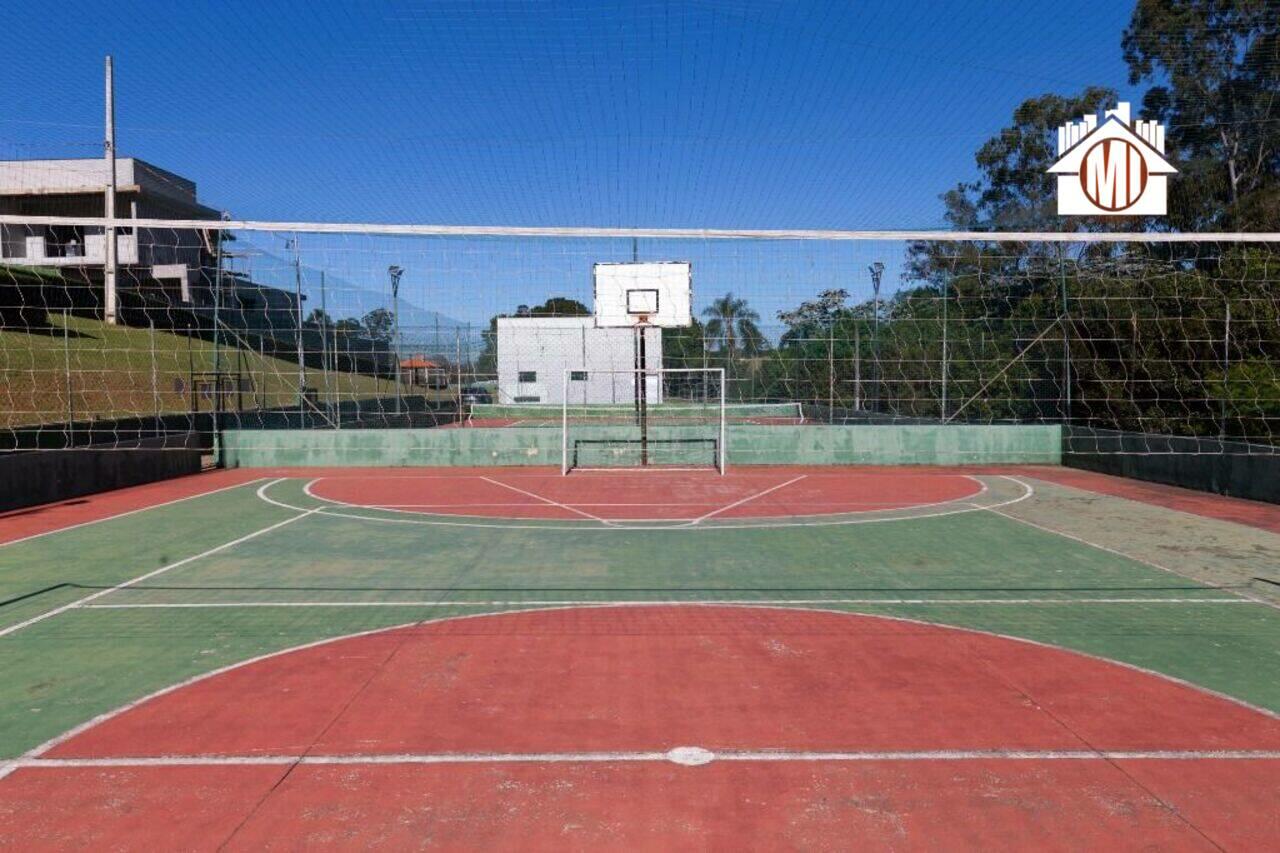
column 549, row 322
column 88, row 175
column 417, row 362
column 1113, row 128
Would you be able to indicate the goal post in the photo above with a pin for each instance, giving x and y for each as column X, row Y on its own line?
column 678, row 421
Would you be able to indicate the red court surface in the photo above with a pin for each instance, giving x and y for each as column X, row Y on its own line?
column 554, row 729
column 33, row 521
column 764, row 492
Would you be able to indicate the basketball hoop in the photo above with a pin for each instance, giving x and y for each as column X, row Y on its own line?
column 654, row 295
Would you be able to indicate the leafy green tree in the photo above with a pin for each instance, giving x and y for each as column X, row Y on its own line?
column 1216, row 64
column 1013, row 191
column 379, row 324
column 814, row 318
column 560, row 306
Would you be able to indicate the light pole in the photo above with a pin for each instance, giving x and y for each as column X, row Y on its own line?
column 877, row 270
column 395, row 272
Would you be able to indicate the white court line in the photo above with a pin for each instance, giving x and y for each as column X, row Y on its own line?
column 747, row 499
column 488, row 522
column 878, row 506
column 547, row 500
column 128, row 512
column 511, row 504
column 995, row 509
column 7, row 767
column 680, row 755
column 561, row 602
column 151, row 574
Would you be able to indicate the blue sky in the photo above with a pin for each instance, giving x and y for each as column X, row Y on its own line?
column 732, row 113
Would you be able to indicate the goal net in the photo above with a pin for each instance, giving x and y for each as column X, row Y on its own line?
column 675, row 419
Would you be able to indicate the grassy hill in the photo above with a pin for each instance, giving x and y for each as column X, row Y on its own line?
column 84, row 369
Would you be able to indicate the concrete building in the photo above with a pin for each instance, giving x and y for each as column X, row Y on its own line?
column 169, row 259
column 159, row 269
column 535, row 352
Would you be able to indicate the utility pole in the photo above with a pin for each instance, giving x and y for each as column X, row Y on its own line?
column 395, row 272
column 877, row 270
column 109, row 267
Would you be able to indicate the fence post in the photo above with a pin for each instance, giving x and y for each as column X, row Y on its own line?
column 1066, row 343
column 1226, row 374
column 66, row 371
column 831, row 367
column 945, row 292
column 857, row 368
column 155, row 380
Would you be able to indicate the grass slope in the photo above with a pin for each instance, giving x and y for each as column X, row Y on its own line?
column 82, row 369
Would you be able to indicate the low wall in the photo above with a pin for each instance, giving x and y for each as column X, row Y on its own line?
column 747, row 445
column 1232, row 468
column 46, row 476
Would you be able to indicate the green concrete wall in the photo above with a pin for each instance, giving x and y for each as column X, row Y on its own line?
column 748, row 445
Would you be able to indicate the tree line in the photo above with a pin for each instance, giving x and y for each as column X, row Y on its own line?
column 1182, row 338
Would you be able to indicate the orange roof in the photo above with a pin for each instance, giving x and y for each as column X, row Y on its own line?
column 417, row 362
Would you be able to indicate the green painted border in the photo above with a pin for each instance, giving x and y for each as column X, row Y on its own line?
column 749, row 444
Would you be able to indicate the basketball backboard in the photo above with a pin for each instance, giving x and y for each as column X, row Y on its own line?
column 654, row 294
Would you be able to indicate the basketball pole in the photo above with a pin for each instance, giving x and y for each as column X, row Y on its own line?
column 642, row 394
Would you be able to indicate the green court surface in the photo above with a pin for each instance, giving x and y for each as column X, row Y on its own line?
column 100, row 615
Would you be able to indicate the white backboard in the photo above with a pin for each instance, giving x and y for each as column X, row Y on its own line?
column 626, row 293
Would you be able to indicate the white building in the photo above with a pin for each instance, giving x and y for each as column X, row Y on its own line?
column 535, row 352
column 77, row 188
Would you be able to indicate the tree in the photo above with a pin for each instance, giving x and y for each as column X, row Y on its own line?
column 560, row 306
column 378, row 324
column 319, row 318
column 733, row 323
column 1014, row 192
column 814, row 318
column 1217, row 63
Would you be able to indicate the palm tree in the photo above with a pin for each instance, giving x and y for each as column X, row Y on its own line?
column 730, row 319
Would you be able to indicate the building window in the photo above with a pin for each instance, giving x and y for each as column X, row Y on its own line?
column 526, row 399
column 527, row 376
column 577, row 375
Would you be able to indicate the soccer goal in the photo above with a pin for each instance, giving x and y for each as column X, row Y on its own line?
column 675, row 420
